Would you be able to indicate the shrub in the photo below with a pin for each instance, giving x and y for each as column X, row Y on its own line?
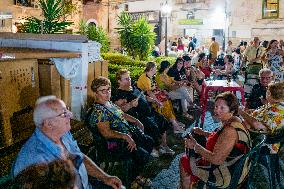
column 98, row 34
column 136, row 37
column 119, row 61
column 95, row 34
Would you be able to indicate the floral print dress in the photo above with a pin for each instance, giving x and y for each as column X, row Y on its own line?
column 275, row 61
column 273, row 116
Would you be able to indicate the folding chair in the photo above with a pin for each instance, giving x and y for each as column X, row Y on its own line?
column 253, row 157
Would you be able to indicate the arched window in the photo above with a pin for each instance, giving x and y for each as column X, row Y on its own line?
column 92, row 22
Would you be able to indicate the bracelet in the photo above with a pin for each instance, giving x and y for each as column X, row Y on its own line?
column 194, row 148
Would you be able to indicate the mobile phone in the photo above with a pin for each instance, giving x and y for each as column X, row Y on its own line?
column 141, row 93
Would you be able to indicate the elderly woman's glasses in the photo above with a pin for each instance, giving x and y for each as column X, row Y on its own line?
column 126, row 79
column 105, row 91
column 263, row 78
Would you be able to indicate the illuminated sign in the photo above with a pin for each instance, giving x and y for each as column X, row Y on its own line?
column 190, row 22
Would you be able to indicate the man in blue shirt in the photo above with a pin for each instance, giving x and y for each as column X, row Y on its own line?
column 52, row 140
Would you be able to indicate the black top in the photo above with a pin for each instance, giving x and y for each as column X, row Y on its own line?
column 258, row 92
column 177, row 75
column 143, row 108
column 192, row 45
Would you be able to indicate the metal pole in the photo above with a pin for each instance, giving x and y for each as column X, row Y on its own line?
column 166, row 36
column 108, row 16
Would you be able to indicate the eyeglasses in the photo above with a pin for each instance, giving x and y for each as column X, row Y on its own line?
column 265, row 78
column 65, row 114
column 126, row 79
column 105, row 91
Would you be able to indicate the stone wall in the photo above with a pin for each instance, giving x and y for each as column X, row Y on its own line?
column 246, row 20
column 105, row 14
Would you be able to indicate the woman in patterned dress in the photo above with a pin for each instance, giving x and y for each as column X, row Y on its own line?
column 160, row 101
column 274, row 60
column 216, row 161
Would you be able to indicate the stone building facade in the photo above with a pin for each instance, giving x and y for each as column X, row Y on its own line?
column 247, row 19
column 103, row 13
column 224, row 19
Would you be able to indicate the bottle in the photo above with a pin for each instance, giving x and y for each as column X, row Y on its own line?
column 211, row 76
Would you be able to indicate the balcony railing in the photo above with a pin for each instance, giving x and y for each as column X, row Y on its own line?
column 189, row 1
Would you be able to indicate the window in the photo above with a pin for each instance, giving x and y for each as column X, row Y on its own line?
column 2, row 23
column 126, row 7
column 26, row 3
column 270, row 9
column 190, row 15
column 234, row 33
column 218, row 32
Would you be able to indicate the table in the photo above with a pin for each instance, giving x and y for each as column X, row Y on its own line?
column 217, row 85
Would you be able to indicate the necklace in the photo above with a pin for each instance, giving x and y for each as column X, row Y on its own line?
column 228, row 121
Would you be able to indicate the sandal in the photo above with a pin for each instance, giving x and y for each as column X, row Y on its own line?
column 178, row 129
column 141, row 182
column 187, row 116
column 181, row 125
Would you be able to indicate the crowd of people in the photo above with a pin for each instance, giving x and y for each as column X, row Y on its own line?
column 135, row 120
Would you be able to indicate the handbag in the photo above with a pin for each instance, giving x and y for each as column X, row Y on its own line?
column 160, row 95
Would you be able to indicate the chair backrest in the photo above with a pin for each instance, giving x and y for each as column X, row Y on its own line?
column 99, row 142
column 253, row 155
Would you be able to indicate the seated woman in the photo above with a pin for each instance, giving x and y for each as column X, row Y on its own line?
column 193, row 74
column 175, row 89
column 270, row 117
column 177, row 71
column 223, row 148
column 229, row 68
column 203, row 64
column 122, row 131
column 133, row 102
column 158, row 98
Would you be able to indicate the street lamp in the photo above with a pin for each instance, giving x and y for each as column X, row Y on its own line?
column 166, row 11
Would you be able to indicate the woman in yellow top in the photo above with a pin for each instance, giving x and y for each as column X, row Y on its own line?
column 175, row 89
column 157, row 97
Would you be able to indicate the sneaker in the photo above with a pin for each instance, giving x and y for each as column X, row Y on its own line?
column 155, row 153
column 166, row 150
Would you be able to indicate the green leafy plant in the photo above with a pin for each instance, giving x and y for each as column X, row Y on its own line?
column 83, row 27
column 98, row 34
column 95, row 34
column 136, row 37
column 69, row 7
column 53, row 11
